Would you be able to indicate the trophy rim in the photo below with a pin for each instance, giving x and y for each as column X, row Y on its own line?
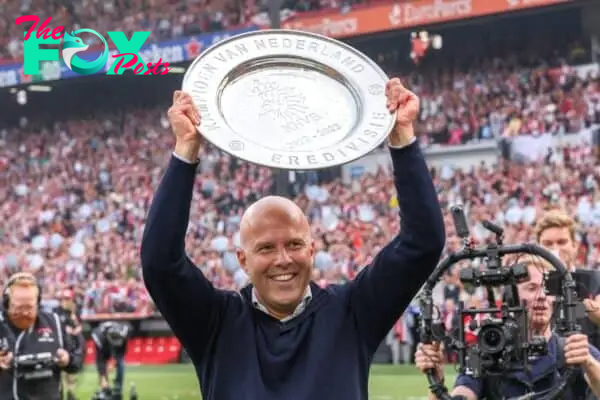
column 370, row 64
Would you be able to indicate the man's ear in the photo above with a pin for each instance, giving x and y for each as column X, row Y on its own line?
column 241, row 256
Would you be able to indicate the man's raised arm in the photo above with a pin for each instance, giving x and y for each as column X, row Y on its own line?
column 383, row 290
column 185, row 298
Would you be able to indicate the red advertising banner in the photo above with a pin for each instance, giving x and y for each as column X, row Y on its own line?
column 379, row 18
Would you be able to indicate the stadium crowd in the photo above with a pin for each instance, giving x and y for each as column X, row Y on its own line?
column 75, row 194
column 548, row 96
column 74, row 197
column 166, row 19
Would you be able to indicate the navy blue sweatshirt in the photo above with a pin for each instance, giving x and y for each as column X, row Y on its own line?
column 241, row 353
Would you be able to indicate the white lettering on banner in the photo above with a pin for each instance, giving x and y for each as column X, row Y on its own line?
column 338, row 27
column 170, row 54
column 220, row 36
column 50, row 70
column 9, row 78
column 440, row 9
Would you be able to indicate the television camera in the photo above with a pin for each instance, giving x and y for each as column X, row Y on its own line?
column 34, row 366
column 503, row 344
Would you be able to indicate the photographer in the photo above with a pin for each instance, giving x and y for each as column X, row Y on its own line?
column 546, row 370
column 67, row 312
column 37, row 347
column 110, row 339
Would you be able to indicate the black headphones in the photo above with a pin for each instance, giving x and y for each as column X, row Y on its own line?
column 19, row 277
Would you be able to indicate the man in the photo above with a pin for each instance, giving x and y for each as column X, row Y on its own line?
column 110, row 340
column 283, row 337
column 555, row 231
column 38, row 345
column 66, row 311
column 545, row 370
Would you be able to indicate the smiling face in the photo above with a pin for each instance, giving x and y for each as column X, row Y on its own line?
column 23, row 308
column 277, row 253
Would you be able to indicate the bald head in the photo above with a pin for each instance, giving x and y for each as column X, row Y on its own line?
column 271, row 208
column 276, row 253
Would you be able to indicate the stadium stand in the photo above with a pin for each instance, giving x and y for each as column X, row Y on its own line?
column 165, row 19
column 75, row 191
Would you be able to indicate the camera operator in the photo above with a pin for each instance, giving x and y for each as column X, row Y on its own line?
column 546, row 370
column 67, row 312
column 110, row 339
column 37, row 346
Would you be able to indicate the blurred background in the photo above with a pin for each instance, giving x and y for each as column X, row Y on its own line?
column 509, row 124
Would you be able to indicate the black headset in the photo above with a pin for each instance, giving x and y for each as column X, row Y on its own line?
column 19, row 277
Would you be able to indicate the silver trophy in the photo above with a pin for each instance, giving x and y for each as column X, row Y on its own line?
column 289, row 99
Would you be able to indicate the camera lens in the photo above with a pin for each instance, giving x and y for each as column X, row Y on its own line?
column 491, row 339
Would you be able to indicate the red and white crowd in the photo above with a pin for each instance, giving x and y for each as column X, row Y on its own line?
column 165, row 19
column 74, row 194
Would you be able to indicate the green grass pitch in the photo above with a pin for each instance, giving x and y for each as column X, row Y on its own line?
column 178, row 382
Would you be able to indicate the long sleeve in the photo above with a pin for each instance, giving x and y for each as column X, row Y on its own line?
column 384, row 289
column 187, row 300
column 75, row 348
column 74, row 345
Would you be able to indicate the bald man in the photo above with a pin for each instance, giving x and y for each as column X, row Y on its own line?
column 283, row 337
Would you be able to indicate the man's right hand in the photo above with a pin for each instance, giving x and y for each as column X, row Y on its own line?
column 6, row 361
column 430, row 356
column 592, row 306
column 184, row 118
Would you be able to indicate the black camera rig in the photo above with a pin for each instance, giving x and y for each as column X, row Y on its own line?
column 34, row 366
column 503, row 344
column 115, row 393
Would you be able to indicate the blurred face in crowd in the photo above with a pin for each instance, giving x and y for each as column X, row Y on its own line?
column 67, row 303
column 558, row 240
column 22, row 309
column 277, row 253
column 539, row 305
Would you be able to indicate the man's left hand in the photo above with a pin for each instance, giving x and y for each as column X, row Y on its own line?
column 62, row 358
column 406, row 106
column 577, row 350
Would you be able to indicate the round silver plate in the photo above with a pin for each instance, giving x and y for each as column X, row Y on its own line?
column 289, row 99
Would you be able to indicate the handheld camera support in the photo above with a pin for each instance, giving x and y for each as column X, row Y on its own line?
column 503, row 344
